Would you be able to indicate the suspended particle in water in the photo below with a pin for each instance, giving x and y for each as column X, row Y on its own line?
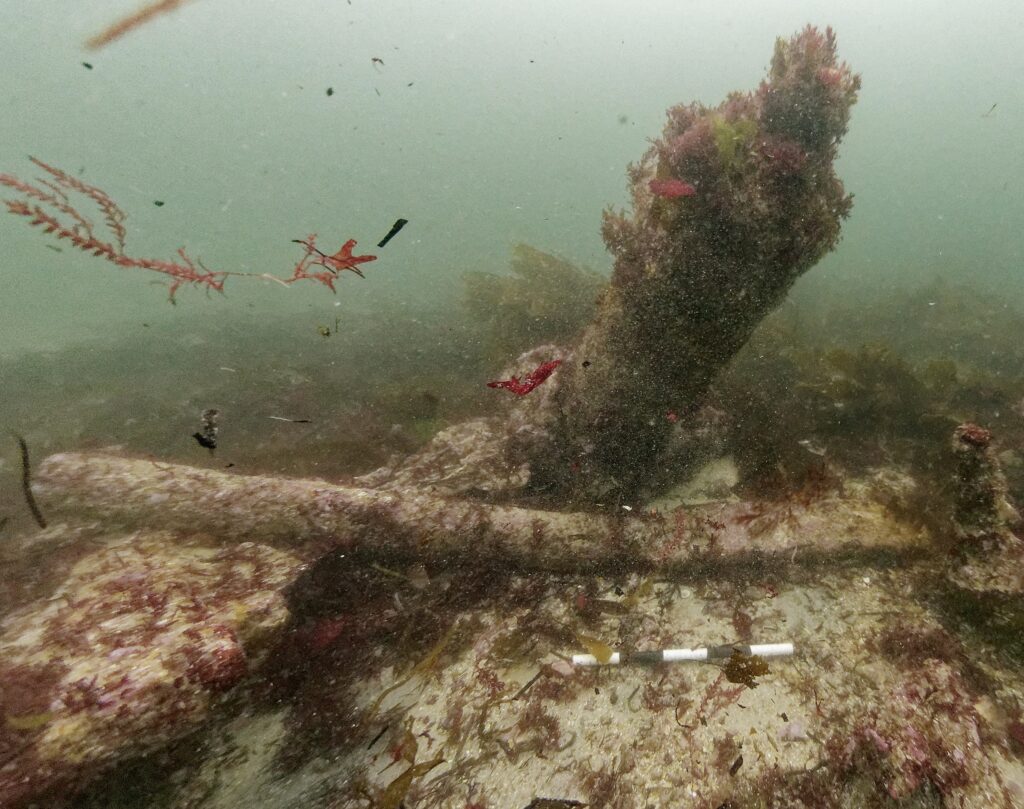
column 207, row 436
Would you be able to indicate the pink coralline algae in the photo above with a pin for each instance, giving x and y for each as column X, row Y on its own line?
column 925, row 733
column 130, row 653
column 671, row 189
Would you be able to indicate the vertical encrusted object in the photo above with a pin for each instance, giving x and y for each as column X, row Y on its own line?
column 730, row 206
column 980, row 507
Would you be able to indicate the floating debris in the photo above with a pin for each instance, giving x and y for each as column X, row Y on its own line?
column 207, row 437
column 132, row 21
column 292, row 421
column 399, row 224
column 341, row 260
column 26, row 483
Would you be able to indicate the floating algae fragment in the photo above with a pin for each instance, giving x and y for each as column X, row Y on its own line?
column 394, row 794
column 602, row 651
column 741, row 668
column 32, row 721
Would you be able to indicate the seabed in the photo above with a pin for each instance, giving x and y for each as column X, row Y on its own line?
column 451, row 688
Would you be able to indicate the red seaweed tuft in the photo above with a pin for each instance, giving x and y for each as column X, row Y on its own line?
column 671, row 188
column 533, row 379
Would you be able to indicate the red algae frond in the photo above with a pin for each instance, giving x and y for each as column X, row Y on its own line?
column 134, row 20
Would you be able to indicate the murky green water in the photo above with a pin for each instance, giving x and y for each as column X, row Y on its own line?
column 230, row 129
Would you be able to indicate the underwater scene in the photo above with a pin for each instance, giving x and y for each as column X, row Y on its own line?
column 482, row 405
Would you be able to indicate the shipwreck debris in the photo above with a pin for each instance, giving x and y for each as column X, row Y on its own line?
column 692, row 281
column 271, row 509
column 980, row 508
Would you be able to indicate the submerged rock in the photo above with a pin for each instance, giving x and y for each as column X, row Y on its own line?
column 129, row 653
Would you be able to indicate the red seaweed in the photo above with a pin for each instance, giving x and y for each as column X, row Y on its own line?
column 671, row 189
column 533, row 379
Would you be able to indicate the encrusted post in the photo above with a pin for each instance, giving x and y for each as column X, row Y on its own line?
column 980, row 508
column 988, row 561
column 730, row 206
